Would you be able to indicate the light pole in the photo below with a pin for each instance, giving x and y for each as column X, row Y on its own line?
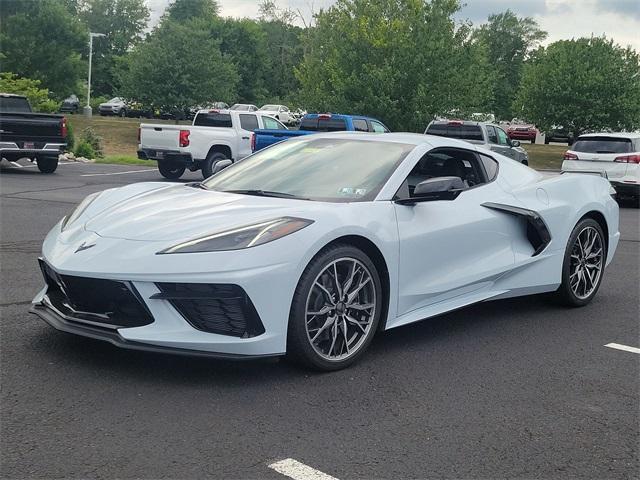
column 87, row 109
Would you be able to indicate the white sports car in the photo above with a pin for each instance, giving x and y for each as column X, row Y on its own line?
column 309, row 247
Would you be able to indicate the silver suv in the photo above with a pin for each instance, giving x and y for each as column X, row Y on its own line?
column 490, row 135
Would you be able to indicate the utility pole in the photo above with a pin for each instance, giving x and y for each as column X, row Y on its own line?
column 87, row 109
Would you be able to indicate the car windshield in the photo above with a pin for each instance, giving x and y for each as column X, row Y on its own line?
column 602, row 145
column 240, row 106
column 323, row 169
column 455, row 130
column 270, row 107
column 115, row 100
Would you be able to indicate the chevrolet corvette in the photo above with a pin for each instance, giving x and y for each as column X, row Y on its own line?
column 311, row 246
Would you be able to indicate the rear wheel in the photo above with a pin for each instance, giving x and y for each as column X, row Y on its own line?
column 47, row 164
column 583, row 265
column 210, row 162
column 335, row 310
column 171, row 170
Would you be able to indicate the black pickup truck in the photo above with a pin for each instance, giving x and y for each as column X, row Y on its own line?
column 40, row 137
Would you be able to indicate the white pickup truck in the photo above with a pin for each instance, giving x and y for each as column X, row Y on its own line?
column 214, row 135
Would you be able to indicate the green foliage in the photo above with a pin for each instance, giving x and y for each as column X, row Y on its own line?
column 84, row 149
column 583, row 85
column 403, row 61
column 88, row 137
column 38, row 97
column 185, row 10
column 44, row 41
column 71, row 138
column 508, row 40
column 96, row 101
column 180, row 65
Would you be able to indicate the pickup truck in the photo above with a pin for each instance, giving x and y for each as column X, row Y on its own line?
column 487, row 134
column 317, row 122
column 214, row 135
column 40, row 137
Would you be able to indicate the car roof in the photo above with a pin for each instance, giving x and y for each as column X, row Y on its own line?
column 612, row 134
column 13, row 95
column 341, row 116
column 396, row 137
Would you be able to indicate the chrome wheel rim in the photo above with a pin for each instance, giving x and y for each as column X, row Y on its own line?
column 587, row 257
column 340, row 309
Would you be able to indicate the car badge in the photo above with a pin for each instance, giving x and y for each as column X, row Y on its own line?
column 84, row 246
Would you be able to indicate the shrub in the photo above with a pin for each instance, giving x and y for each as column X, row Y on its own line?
column 71, row 139
column 84, row 149
column 38, row 97
column 90, row 137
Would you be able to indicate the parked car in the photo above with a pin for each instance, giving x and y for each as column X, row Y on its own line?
column 116, row 106
column 244, row 107
column 40, row 137
column 279, row 112
column 617, row 154
column 311, row 247
column 318, row 122
column 558, row 134
column 71, row 104
column 137, row 110
column 490, row 135
column 520, row 130
column 214, row 135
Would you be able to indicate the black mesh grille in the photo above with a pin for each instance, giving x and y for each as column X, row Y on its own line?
column 215, row 308
column 109, row 302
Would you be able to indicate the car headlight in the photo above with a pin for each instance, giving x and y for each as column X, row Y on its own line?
column 242, row 237
column 80, row 209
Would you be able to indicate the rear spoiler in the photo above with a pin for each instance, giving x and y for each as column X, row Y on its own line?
column 600, row 173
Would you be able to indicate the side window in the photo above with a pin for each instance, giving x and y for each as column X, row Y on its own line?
column 490, row 166
column 378, row 127
column 272, row 124
column 491, row 134
column 502, row 137
column 285, row 109
column 360, row 125
column 445, row 162
column 248, row 122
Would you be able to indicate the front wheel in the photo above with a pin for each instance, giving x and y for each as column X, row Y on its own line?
column 47, row 164
column 583, row 264
column 170, row 170
column 336, row 309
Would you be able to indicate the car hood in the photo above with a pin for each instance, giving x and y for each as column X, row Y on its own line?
column 182, row 212
column 108, row 104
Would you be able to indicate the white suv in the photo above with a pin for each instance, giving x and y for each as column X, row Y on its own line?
column 617, row 154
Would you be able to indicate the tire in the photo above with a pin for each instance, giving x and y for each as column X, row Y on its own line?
column 525, row 162
column 210, row 162
column 47, row 164
column 123, row 113
column 578, row 289
column 169, row 170
column 319, row 341
column 546, row 141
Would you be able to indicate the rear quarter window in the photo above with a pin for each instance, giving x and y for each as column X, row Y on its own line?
column 220, row 120
column 602, row 145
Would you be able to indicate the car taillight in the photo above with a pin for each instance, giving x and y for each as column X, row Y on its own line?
column 184, row 138
column 253, row 142
column 570, row 156
column 63, row 127
column 628, row 159
column 138, row 134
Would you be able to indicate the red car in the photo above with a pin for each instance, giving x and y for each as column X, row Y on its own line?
column 522, row 131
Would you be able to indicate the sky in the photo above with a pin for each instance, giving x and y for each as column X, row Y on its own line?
column 562, row 19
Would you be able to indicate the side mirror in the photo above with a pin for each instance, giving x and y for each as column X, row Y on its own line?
column 438, row 188
column 220, row 165
column 515, row 143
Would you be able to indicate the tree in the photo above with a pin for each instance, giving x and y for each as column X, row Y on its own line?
column 43, row 41
column 123, row 22
column 38, row 97
column 508, row 39
column 179, row 66
column 583, row 85
column 183, row 10
column 403, row 61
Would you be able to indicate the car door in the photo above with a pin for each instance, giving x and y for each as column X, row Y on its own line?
column 504, row 144
column 450, row 248
column 248, row 123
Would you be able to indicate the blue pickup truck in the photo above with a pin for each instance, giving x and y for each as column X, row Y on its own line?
column 317, row 122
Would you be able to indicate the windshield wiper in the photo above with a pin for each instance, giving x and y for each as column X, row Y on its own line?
column 266, row 193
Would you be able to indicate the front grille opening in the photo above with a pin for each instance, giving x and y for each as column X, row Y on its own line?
column 224, row 309
column 110, row 302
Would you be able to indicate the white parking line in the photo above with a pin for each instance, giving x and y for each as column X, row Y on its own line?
column 617, row 346
column 17, row 165
column 119, row 173
column 299, row 471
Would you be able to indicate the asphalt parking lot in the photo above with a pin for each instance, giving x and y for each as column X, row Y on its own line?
column 516, row 388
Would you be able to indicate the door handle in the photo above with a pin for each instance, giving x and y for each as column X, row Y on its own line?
column 245, row 138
